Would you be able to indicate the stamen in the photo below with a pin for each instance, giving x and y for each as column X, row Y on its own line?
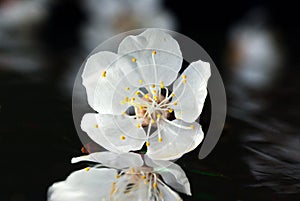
column 158, row 116
column 154, row 91
column 160, row 139
column 138, row 125
column 127, row 88
column 154, row 185
column 122, row 137
column 155, row 98
column 183, row 76
column 96, row 126
column 103, row 74
column 172, row 94
column 146, row 96
column 161, row 83
column 118, row 176
column 141, row 81
column 153, row 85
column 132, row 99
column 87, row 169
column 170, row 110
column 175, row 103
column 192, row 126
column 133, row 60
column 138, row 93
column 177, row 125
column 152, row 121
column 154, row 52
column 147, row 144
column 143, row 176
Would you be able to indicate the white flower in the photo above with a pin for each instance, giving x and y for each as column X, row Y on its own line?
column 139, row 78
column 122, row 181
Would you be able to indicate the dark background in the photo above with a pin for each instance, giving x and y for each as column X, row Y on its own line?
column 38, row 137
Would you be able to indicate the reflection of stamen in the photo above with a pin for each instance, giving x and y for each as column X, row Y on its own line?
column 127, row 88
column 133, row 60
column 141, row 81
column 87, row 169
column 96, row 126
column 103, row 74
column 122, row 137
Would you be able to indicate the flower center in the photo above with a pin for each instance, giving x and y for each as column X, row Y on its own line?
column 137, row 184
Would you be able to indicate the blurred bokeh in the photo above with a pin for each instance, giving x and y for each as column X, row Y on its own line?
column 254, row 44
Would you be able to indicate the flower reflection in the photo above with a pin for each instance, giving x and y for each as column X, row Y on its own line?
column 127, row 178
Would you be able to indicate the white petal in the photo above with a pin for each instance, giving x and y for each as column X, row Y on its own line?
column 163, row 66
column 191, row 95
column 93, row 69
column 109, row 159
column 106, row 93
column 155, row 39
column 171, row 173
column 176, row 140
column 92, row 185
column 167, row 193
column 106, row 130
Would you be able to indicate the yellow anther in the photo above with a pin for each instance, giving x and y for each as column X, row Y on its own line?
column 133, row 59
column 132, row 171
column 159, row 139
column 175, row 103
column 118, row 176
column 154, row 91
column 172, row 94
column 170, row 110
column 126, row 99
column 154, row 185
column 153, row 85
column 141, row 107
column 138, row 93
column 147, row 144
column 122, row 137
column 96, row 126
column 155, row 98
column 124, row 113
column 158, row 116
column 132, row 99
column 87, row 169
column 152, row 121
column 144, row 177
column 154, row 52
column 103, row 74
column 184, row 81
column 192, row 126
column 127, row 88
column 183, row 76
column 145, row 182
column 161, row 83
column 138, row 125
column 141, row 81
column 146, row 96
